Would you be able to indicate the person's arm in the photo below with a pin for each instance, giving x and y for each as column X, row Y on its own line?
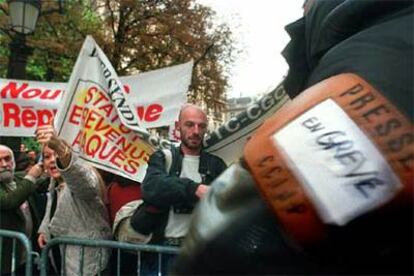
column 163, row 190
column 42, row 183
column 220, row 166
column 13, row 199
column 216, row 166
column 81, row 179
column 26, row 186
column 340, row 154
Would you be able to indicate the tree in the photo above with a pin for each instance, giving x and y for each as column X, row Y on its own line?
column 56, row 41
column 137, row 36
column 150, row 34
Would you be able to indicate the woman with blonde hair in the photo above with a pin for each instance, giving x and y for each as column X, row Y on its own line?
column 75, row 206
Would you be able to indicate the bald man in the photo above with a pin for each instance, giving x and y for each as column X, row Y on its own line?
column 177, row 189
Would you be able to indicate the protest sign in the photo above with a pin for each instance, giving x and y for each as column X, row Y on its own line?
column 156, row 97
column 97, row 120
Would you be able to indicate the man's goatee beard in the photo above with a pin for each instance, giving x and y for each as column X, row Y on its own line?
column 6, row 176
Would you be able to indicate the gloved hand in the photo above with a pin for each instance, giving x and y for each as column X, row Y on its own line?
column 233, row 232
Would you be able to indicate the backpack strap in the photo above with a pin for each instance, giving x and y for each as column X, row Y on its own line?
column 168, row 159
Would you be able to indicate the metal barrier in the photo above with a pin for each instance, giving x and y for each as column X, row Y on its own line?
column 82, row 243
column 27, row 246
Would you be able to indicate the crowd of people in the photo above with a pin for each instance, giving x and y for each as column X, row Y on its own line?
column 83, row 202
column 351, row 81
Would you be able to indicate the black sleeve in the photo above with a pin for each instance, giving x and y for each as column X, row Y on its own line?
column 372, row 39
column 221, row 166
column 42, row 184
column 163, row 190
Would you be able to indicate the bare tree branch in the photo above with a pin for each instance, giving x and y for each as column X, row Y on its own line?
column 204, row 54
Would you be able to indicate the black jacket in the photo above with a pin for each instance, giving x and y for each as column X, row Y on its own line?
column 371, row 38
column 163, row 190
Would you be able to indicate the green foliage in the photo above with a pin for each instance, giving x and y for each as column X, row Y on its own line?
column 4, row 39
column 58, row 38
column 137, row 36
column 37, row 71
column 90, row 17
column 4, row 53
column 31, row 144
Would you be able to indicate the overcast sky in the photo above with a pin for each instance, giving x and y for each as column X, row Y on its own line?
column 258, row 26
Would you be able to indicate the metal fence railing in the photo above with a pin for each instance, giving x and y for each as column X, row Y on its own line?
column 19, row 241
column 115, row 246
column 26, row 246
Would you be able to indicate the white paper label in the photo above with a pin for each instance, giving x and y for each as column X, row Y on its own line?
column 341, row 170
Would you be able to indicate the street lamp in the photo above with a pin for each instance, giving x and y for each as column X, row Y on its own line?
column 23, row 15
column 23, row 19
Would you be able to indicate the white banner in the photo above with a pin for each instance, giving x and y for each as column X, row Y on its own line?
column 96, row 120
column 25, row 105
column 228, row 140
column 156, row 97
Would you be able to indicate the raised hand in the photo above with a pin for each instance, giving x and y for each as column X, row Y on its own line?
column 46, row 135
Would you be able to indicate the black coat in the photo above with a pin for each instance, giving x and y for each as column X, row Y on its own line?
column 165, row 189
column 371, row 38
